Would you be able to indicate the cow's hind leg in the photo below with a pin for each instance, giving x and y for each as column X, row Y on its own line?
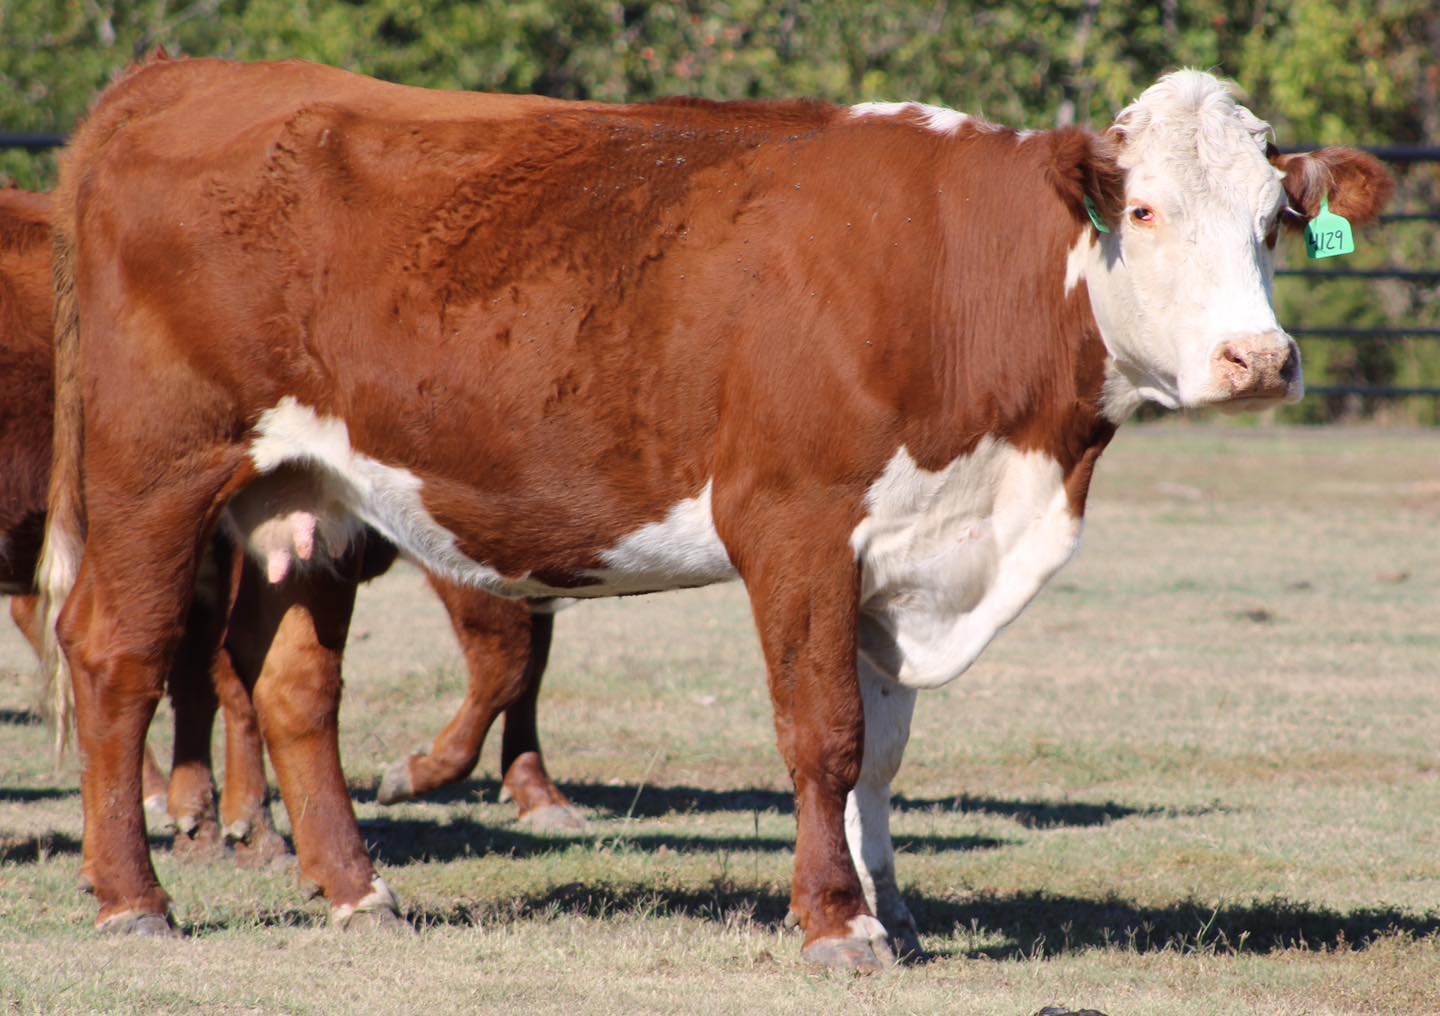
column 805, row 595
column 505, row 648
column 526, row 781
column 119, row 629
column 287, row 639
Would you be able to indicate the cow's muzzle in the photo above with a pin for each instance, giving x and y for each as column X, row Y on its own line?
column 1261, row 367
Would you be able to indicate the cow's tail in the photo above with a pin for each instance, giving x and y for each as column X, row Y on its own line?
column 65, row 519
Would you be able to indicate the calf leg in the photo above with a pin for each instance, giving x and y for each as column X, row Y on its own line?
column 286, row 642
column 23, row 612
column 155, row 791
column 805, row 599
column 505, row 648
column 245, row 805
column 888, row 709
column 192, row 695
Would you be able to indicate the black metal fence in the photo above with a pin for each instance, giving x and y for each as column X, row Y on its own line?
column 1397, row 155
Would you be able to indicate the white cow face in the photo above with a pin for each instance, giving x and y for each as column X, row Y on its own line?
column 1181, row 286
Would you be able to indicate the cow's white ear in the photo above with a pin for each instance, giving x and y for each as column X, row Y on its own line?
column 1357, row 185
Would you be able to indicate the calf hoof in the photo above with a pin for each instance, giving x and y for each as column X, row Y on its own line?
column 865, row 950
column 395, row 783
column 157, row 816
column 261, row 848
column 556, row 818
column 198, row 841
column 140, row 923
column 378, row 909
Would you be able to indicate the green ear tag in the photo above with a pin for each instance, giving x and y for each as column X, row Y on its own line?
column 1328, row 235
column 1099, row 223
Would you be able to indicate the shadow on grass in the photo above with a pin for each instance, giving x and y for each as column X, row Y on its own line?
column 1043, row 924
column 608, row 801
column 24, row 795
column 398, row 842
column 1046, row 814
column 1029, row 925
column 32, row 848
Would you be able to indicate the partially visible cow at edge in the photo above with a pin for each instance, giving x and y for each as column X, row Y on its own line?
column 27, row 405
column 864, row 359
column 504, row 646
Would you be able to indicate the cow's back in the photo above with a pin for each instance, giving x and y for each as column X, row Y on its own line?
column 26, row 385
column 532, row 304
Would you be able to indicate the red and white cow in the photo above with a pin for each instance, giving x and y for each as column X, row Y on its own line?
column 863, row 359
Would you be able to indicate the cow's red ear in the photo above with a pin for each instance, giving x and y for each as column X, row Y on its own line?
column 1084, row 165
column 1357, row 184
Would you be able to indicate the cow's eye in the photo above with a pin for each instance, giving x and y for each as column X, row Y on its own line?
column 1143, row 214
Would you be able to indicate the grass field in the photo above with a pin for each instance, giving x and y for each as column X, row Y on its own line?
column 1200, row 775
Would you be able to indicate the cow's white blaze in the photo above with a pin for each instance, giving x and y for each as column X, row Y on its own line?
column 949, row 558
column 682, row 549
column 1168, row 294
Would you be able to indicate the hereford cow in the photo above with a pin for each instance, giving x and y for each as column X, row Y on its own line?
column 504, row 645
column 863, row 359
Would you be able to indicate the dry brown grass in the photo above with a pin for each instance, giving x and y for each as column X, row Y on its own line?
column 1198, row 776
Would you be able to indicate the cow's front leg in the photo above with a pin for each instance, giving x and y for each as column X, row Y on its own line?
column 806, row 613
column 888, row 708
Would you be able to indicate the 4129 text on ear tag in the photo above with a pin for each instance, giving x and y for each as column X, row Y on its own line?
column 1328, row 235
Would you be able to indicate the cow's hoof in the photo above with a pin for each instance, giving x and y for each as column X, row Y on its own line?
column 378, row 910
column 866, row 950
column 385, row 921
column 395, row 784
column 198, row 841
column 262, row 848
column 157, row 816
column 556, row 818
column 905, row 942
column 140, row 923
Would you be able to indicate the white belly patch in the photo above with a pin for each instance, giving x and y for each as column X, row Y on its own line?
column 950, row 557
column 682, row 549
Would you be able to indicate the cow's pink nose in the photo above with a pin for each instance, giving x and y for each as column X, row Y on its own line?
column 1266, row 365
